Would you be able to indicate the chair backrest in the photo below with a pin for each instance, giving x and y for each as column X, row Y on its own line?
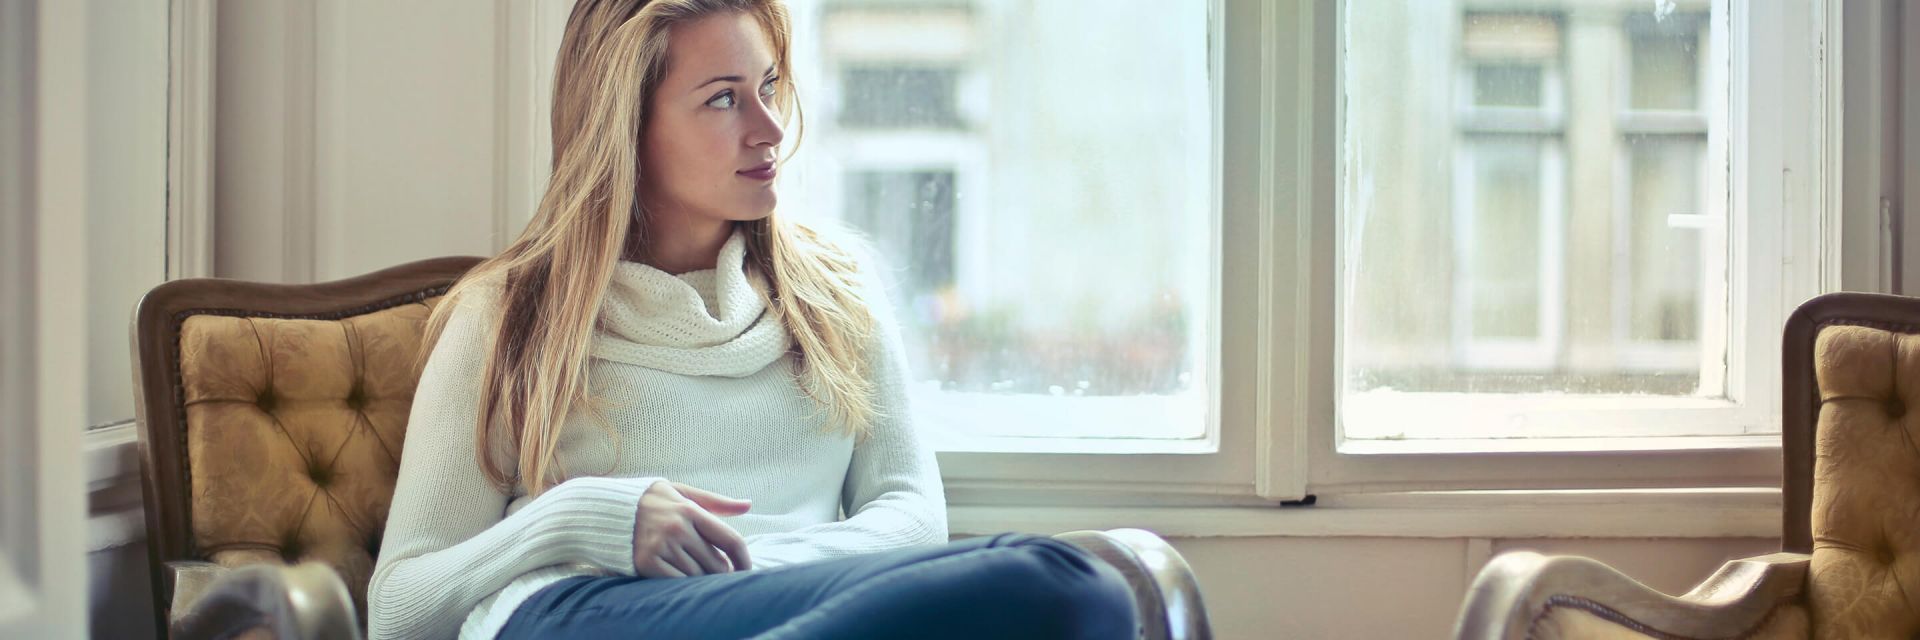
column 1851, row 449
column 271, row 416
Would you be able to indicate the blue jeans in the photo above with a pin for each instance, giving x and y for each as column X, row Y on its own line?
column 1010, row 585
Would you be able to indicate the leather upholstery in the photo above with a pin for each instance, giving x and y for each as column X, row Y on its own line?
column 1568, row 623
column 293, row 435
column 1864, row 579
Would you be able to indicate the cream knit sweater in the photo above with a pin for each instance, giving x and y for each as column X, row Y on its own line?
column 695, row 373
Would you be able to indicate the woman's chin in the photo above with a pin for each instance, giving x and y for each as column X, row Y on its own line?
column 758, row 208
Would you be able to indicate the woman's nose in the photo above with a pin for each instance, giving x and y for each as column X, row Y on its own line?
column 764, row 129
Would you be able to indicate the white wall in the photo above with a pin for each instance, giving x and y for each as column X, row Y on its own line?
column 127, row 187
column 356, row 136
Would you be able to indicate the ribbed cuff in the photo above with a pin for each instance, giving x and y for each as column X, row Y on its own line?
column 590, row 520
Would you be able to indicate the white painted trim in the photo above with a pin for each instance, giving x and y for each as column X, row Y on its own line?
column 112, row 455
column 18, row 125
column 1829, row 119
column 1722, row 513
column 115, row 503
column 192, row 103
column 44, row 47
column 1292, row 133
column 1602, row 445
column 61, row 267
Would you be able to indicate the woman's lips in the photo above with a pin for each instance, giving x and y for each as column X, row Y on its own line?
column 761, row 172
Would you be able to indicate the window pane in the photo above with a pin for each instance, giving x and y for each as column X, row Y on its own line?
column 910, row 214
column 1665, row 61
column 1526, row 214
column 901, row 95
column 1047, row 217
column 1664, row 251
column 1502, row 252
column 1506, row 85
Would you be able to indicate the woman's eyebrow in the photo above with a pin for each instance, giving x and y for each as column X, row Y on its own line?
column 703, row 85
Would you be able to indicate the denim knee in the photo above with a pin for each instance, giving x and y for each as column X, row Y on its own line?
column 1070, row 589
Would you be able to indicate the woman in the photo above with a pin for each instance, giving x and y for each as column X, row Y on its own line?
column 646, row 415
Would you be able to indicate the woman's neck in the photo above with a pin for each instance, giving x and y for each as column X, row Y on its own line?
column 680, row 244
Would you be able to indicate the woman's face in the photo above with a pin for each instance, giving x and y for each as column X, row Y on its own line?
column 713, row 131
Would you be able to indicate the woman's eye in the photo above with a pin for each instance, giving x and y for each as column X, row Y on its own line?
column 767, row 90
column 722, row 101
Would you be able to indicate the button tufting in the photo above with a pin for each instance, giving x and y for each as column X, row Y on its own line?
column 321, row 476
column 265, row 400
column 356, row 399
column 1896, row 408
column 290, row 551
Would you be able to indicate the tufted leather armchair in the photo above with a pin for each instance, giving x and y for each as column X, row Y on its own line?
column 271, row 419
column 1851, row 518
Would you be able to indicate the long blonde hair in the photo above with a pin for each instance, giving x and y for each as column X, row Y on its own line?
column 551, row 279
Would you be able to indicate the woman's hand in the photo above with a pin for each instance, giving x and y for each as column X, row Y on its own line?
column 677, row 533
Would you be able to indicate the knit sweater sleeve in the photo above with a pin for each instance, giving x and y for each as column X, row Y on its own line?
column 448, row 543
column 892, row 495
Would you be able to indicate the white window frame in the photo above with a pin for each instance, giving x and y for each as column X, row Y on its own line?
column 1278, row 438
column 1225, row 467
column 1791, row 168
column 1462, row 421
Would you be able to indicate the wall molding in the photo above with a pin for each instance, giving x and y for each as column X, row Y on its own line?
column 191, row 104
column 1827, row 193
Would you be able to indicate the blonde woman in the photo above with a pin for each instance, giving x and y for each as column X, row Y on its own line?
column 648, row 414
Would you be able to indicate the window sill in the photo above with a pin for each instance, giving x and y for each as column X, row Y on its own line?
column 1620, row 445
column 1624, row 513
column 112, row 454
column 115, row 515
column 947, row 445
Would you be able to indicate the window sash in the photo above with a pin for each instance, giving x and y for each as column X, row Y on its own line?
column 1787, row 258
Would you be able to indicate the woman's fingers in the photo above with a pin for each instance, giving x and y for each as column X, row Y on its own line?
column 711, row 562
column 723, row 537
column 677, row 555
column 659, row 568
column 714, row 502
